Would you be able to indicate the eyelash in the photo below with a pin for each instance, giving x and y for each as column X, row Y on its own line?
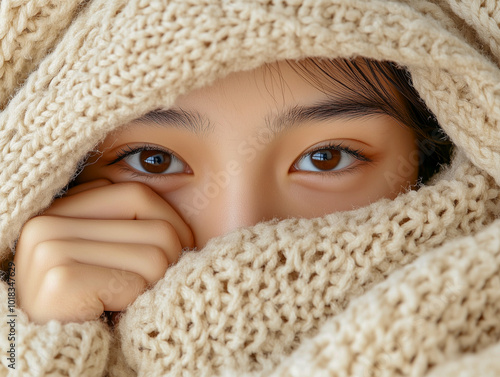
column 358, row 154
column 128, row 151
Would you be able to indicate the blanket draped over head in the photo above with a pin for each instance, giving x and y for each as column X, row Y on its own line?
column 408, row 287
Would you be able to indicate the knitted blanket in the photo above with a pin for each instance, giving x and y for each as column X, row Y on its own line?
column 403, row 287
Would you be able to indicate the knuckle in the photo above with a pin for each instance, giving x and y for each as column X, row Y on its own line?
column 57, row 279
column 166, row 233
column 32, row 233
column 44, row 252
column 158, row 259
column 163, row 228
column 33, row 227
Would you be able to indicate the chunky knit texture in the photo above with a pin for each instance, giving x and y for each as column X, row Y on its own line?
column 409, row 287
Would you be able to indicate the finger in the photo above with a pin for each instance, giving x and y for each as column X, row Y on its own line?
column 156, row 233
column 81, row 292
column 127, row 201
column 88, row 186
column 146, row 260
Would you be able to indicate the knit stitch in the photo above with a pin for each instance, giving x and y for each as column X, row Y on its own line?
column 403, row 287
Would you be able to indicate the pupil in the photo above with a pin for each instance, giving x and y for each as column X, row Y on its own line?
column 155, row 161
column 326, row 159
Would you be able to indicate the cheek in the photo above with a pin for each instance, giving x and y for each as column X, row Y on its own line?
column 397, row 169
column 393, row 173
column 307, row 202
column 402, row 172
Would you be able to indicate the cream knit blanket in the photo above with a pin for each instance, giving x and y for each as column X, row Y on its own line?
column 409, row 287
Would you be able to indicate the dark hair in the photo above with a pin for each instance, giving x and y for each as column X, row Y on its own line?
column 385, row 88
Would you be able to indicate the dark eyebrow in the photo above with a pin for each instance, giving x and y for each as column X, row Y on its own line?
column 195, row 122
column 348, row 109
column 178, row 118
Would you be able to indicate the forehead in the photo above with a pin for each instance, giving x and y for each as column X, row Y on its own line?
column 270, row 86
column 281, row 95
column 303, row 82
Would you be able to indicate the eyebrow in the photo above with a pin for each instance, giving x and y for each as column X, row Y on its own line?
column 188, row 120
column 346, row 109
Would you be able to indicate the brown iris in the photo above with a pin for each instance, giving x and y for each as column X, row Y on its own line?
column 326, row 159
column 155, row 162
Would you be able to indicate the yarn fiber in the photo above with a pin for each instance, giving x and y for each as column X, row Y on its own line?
column 403, row 287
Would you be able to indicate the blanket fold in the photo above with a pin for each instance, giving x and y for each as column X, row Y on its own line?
column 403, row 287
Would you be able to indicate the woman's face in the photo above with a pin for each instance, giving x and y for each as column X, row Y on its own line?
column 258, row 145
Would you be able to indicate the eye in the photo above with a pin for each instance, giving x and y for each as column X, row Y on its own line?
column 154, row 161
column 328, row 158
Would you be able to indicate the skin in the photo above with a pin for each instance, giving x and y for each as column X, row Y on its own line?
column 234, row 174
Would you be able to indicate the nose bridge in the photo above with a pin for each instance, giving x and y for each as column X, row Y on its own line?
column 231, row 199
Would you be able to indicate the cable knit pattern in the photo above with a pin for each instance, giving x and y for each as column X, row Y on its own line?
column 408, row 287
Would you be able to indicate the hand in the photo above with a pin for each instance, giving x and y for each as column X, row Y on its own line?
column 95, row 250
